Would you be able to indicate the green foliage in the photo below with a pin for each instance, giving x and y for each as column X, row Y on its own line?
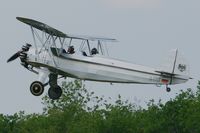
column 80, row 111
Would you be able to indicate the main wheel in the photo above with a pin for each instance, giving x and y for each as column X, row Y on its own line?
column 168, row 89
column 37, row 88
column 55, row 93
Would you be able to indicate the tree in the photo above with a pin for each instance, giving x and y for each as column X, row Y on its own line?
column 80, row 111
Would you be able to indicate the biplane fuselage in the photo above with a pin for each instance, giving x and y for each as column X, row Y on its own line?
column 100, row 68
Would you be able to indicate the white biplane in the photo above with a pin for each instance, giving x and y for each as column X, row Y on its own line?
column 56, row 56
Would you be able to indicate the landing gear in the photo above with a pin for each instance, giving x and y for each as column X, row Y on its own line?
column 37, row 88
column 55, row 92
column 168, row 89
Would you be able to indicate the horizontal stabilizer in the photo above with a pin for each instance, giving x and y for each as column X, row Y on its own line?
column 166, row 73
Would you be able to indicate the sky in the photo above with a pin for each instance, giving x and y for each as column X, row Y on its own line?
column 146, row 30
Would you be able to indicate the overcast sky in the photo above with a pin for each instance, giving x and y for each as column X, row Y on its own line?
column 146, row 30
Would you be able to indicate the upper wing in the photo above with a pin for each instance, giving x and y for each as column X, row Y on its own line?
column 48, row 29
column 43, row 27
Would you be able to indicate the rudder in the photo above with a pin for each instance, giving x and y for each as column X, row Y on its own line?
column 175, row 64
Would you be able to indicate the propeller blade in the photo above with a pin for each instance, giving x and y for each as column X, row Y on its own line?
column 13, row 57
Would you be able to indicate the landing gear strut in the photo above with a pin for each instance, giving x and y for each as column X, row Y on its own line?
column 37, row 87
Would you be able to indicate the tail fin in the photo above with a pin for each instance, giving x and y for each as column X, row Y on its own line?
column 175, row 64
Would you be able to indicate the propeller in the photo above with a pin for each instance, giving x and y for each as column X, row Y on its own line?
column 15, row 56
column 19, row 53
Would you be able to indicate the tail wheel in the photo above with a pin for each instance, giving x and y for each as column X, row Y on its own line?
column 168, row 89
column 55, row 92
column 37, row 88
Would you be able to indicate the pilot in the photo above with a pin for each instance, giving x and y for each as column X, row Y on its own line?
column 71, row 50
column 94, row 51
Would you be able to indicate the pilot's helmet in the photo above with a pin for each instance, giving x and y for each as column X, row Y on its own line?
column 94, row 51
column 71, row 49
